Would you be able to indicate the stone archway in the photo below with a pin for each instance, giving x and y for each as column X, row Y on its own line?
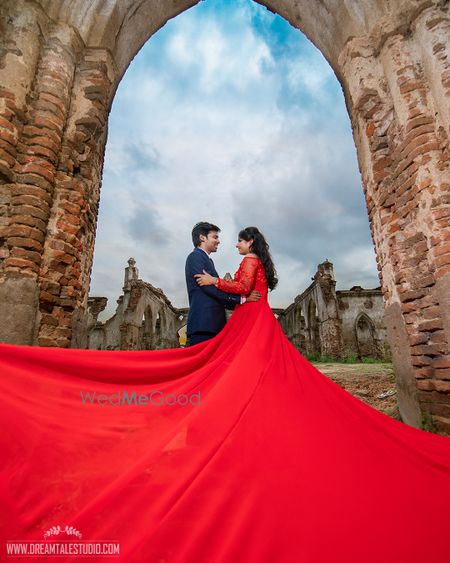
column 313, row 343
column 298, row 338
column 159, row 329
column 147, row 329
column 60, row 64
column 365, row 337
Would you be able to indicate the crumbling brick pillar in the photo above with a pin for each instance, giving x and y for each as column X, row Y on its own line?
column 36, row 74
column 129, row 336
column 330, row 324
column 331, row 337
column 53, row 126
column 398, row 88
column 69, row 246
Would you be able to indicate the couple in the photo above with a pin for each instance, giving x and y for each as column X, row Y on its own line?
column 210, row 295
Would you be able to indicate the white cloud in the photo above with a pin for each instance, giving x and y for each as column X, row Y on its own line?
column 215, row 55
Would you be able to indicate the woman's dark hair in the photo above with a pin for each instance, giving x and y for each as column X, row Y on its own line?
column 260, row 247
column 202, row 228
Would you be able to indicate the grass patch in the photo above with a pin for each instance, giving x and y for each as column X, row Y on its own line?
column 346, row 359
column 370, row 360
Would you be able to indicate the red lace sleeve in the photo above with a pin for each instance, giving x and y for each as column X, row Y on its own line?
column 244, row 279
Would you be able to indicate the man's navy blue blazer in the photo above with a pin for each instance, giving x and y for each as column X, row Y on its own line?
column 206, row 303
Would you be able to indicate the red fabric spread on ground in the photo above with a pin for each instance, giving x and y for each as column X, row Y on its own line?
column 276, row 464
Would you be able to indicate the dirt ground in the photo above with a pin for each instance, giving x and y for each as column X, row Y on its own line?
column 372, row 383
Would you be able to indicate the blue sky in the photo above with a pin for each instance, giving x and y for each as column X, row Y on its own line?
column 230, row 115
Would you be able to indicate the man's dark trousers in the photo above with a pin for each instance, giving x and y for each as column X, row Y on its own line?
column 199, row 337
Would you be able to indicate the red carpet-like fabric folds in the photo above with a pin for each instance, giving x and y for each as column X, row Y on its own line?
column 274, row 463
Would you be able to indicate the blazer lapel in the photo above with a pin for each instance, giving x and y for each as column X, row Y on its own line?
column 209, row 264
column 214, row 271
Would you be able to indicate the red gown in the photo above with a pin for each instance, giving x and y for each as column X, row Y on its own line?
column 273, row 463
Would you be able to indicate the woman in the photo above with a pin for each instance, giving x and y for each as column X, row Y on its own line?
column 256, row 270
column 271, row 462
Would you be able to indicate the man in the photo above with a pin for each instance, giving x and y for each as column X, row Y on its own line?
column 206, row 303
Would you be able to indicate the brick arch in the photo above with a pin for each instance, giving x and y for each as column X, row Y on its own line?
column 60, row 64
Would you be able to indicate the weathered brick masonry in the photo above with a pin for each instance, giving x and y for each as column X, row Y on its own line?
column 60, row 64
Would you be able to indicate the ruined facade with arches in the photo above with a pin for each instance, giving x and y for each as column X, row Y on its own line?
column 144, row 319
column 320, row 322
column 323, row 321
column 60, row 64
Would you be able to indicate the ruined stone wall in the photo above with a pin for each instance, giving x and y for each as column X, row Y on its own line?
column 355, row 304
column 60, row 64
column 144, row 319
column 293, row 323
column 337, row 315
column 105, row 335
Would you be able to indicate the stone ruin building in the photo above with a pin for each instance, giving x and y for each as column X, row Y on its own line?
column 324, row 322
column 321, row 321
column 145, row 319
column 60, row 64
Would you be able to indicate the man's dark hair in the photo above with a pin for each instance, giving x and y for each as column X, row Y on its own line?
column 202, row 228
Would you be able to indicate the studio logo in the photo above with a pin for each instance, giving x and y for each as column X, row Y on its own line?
column 57, row 530
column 62, row 541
